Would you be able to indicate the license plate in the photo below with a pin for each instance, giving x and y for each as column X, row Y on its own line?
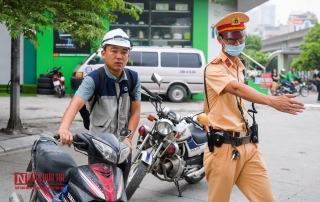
column 56, row 83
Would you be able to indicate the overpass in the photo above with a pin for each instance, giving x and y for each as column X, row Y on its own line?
column 290, row 40
column 283, row 49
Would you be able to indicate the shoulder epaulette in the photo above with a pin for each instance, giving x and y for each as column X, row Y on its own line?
column 215, row 61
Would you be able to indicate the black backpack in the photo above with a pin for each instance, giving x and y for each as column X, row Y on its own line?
column 85, row 114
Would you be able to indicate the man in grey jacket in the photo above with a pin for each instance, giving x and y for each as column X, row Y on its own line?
column 115, row 109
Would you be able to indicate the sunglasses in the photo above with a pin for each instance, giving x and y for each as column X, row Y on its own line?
column 234, row 41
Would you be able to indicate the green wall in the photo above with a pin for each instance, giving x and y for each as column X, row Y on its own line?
column 46, row 60
column 29, row 72
column 200, row 26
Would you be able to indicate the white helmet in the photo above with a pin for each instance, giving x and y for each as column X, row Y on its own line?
column 283, row 70
column 116, row 37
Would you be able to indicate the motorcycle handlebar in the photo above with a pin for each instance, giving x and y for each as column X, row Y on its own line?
column 149, row 92
column 190, row 120
column 54, row 69
column 154, row 97
column 76, row 140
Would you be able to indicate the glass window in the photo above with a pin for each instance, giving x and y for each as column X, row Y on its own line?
column 161, row 23
column 135, row 59
column 169, row 60
column 145, row 59
column 98, row 59
column 149, row 59
column 191, row 60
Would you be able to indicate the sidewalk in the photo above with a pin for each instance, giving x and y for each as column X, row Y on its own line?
column 42, row 116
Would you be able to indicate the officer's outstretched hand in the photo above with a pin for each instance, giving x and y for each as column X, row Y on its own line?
column 285, row 104
column 128, row 142
column 65, row 137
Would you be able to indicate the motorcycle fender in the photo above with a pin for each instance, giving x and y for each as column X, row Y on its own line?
column 146, row 157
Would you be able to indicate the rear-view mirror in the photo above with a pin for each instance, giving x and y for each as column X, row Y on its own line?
column 156, row 78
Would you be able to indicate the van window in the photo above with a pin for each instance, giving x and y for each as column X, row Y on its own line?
column 191, row 60
column 144, row 59
column 98, row 59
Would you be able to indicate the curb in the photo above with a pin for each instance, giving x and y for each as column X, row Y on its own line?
column 21, row 142
column 312, row 105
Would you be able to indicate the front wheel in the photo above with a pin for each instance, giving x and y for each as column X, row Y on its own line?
column 15, row 197
column 58, row 91
column 194, row 180
column 282, row 90
column 304, row 91
column 137, row 172
column 33, row 196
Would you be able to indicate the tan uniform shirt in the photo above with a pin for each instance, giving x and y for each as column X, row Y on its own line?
column 224, row 113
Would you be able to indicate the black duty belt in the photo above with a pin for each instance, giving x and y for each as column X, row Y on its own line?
column 234, row 138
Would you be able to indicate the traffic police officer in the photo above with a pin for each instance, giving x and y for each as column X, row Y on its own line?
column 238, row 160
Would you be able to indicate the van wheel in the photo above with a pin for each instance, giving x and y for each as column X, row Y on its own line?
column 177, row 93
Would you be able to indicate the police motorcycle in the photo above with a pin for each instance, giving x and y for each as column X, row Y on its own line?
column 100, row 180
column 299, row 88
column 171, row 149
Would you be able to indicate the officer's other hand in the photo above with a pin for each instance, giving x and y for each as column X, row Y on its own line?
column 65, row 137
column 285, row 104
column 128, row 142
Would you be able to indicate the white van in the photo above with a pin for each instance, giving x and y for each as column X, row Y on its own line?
column 181, row 69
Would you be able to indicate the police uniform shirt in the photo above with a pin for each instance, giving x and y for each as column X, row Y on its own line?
column 224, row 113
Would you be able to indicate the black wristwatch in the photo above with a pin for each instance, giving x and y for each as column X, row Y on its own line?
column 125, row 133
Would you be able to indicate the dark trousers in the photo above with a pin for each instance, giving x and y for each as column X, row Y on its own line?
column 318, row 87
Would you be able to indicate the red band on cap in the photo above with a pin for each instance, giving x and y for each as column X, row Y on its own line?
column 230, row 27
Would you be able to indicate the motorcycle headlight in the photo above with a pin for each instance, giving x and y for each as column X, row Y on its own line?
column 124, row 152
column 164, row 127
column 107, row 152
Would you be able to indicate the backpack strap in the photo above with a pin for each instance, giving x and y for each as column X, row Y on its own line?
column 131, row 84
column 98, row 89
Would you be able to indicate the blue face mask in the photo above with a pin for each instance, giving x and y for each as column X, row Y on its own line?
column 234, row 50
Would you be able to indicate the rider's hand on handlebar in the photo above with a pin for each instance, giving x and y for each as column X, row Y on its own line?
column 128, row 142
column 65, row 137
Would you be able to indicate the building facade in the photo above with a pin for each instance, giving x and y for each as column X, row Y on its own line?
column 298, row 21
column 182, row 23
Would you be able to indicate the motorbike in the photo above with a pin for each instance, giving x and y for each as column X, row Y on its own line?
column 58, row 81
column 171, row 149
column 299, row 88
column 100, row 180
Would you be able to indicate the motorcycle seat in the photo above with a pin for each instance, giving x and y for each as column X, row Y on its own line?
column 50, row 158
column 199, row 136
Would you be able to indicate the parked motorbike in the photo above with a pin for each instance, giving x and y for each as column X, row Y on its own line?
column 299, row 88
column 58, row 81
column 100, row 180
column 172, row 149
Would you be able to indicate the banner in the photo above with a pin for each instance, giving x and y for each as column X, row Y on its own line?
column 63, row 43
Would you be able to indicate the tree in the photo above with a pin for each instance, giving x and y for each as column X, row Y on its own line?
column 84, row 20
column 253, row 42
column 253, row 49
column 310, row 51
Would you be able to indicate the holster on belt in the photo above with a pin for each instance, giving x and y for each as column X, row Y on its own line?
column 215, row 138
